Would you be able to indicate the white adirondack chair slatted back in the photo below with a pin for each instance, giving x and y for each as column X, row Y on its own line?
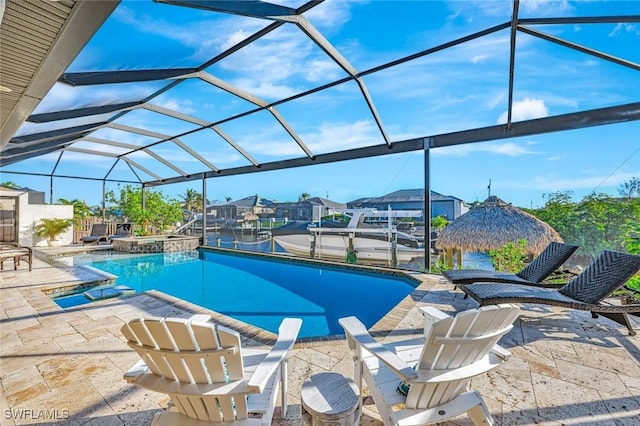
column 193, row 352
column 454, row 342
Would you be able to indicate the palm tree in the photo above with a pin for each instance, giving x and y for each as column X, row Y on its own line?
column 80, row 209
column 10, row 185
column 303, row 196
column 192, row 200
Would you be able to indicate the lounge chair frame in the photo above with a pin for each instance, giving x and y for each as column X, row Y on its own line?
column 608, row 272
column 547, row 262
column 99, row 233
column 123, row 230
column 11, row 250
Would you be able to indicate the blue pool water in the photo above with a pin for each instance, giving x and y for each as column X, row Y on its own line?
column 257, row 291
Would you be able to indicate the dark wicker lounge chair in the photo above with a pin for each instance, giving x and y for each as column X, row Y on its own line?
column 98, row 234
column 547, row 262
column 604, row 275
column 123, row 230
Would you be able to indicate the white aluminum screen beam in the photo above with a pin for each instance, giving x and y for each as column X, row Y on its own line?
column 204, row 76
column 138, row 166
column 337, row 57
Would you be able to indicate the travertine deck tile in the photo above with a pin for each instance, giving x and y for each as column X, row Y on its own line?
column 566, row 368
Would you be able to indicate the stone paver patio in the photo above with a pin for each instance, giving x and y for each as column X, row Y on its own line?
column 65, row 366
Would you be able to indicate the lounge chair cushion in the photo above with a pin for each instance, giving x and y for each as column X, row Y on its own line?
column 493, row 293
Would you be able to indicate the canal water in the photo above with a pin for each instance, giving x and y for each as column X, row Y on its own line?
column 251, row 242
column 243, row 241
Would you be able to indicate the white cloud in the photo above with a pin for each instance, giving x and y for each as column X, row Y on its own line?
column 509, row 149
column 184, row 106
column 559, row 183
column 328, row 138
column 526, row 109
column 341, row 136
column 545, row 6
column 331, row 14
column 623, row 27
column 63, row 97
column 503, row 8
column 264, row 89
column 478, row 58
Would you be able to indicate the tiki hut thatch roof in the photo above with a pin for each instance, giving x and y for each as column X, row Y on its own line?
column 493, row 224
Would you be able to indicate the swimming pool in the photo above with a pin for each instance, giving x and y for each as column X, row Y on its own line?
column 260, row 291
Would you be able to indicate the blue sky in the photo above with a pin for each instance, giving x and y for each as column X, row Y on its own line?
column 456, row 89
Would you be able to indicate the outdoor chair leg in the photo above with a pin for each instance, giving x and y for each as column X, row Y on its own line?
column 619, row 317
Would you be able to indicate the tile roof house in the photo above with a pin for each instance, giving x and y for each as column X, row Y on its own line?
column 413, row 199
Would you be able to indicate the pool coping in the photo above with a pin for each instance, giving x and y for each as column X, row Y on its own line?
column 381, row 328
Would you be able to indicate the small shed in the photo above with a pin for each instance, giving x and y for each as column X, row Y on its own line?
column 491, row 225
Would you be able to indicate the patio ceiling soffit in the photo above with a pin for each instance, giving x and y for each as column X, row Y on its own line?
column 39, row 40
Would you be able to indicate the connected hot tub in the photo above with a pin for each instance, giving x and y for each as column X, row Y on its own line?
column 156, row 244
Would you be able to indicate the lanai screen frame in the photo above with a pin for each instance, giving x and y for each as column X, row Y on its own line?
column 62, row 139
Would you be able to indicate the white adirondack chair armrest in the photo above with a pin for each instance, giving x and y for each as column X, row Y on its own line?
column 358, row 332
column 137, row 370
column 433, row 314
column 287, row 335
column 501, row 352
column 199, row 317
column 484, row 364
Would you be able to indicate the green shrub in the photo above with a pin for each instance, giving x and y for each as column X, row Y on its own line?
column 510, row 258
column 52, row 227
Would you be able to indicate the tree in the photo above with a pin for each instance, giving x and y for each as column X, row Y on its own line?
column 510, row 258
column 304, row 196
column 80, row 209
column 595, row 223
column 192, row 200
column 630, row 188
column 439, row 223
column 10, row 185
column 159, row 213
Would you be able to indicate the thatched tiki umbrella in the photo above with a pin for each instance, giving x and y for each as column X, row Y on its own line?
column 492, row 225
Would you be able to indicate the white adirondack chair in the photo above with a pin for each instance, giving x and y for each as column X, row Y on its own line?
column 206, row 373
column 438, row 367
